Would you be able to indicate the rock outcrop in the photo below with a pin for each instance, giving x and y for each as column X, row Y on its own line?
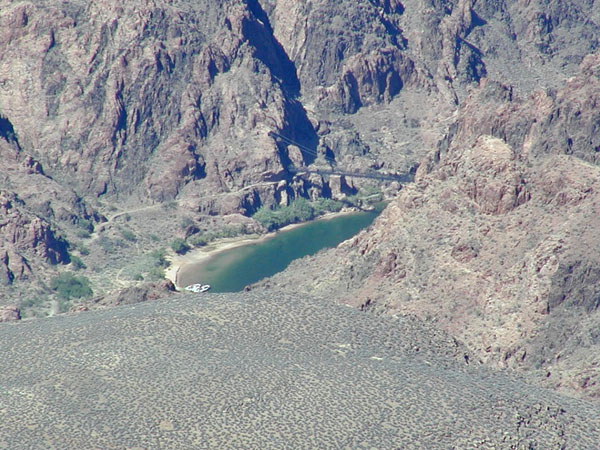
column 25, row 237
column 9, row 314
column 129, row 296
column 147, row 98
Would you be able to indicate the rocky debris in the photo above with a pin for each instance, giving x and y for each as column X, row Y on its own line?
column 153, row 101
column 9, row 314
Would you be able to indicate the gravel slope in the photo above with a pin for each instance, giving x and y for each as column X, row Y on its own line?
column 244, row 371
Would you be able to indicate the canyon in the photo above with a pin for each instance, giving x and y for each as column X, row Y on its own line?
column 125, row 126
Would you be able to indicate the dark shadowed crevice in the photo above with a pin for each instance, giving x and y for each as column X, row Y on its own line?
column 299, row 129
column 268, row 50
column 7, row 132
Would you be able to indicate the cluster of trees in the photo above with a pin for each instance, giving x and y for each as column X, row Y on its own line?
column 68, row 285
column 300, row 210
column 202, row 238
column 179, row 246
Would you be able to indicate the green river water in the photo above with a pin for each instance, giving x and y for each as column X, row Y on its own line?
column 231, row 270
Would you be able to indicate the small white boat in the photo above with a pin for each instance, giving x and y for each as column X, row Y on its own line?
column 197, row 288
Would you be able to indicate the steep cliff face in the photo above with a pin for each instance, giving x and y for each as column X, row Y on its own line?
column 495, row 242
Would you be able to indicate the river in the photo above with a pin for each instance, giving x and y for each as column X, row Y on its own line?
column 233, row 269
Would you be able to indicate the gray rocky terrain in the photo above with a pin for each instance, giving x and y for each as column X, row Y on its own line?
column 251, row 371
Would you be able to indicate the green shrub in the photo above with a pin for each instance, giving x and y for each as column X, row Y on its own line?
column 67, row 285
column 31, row 302
column 64, row 306
column 179, row 246
column 86, row 225
column 323, row 205
column 267, row 217
column 83, row 249
column 353, row 200
column 82, row 234
column 128, row 234
column 186, row 222
column 106, row 244
column 155, row 274
column 300, row 210
column 77, row 262
column 372, row 194
column 199, row 240
column 159, row 257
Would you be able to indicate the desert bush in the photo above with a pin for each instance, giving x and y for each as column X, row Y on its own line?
column 106, row 244
column 155, row 274
column 170, row 205
column 186, row 222
column 77, row 262
column 64, row 306
column 323, row 205
column 83, row 249
column 85, row 224
column 372, row 194
column 128, row 234
column 199, row 240
column 158, row 258
column 82, row 234
column 179, row 246
column 67, row 285
column 31, row 302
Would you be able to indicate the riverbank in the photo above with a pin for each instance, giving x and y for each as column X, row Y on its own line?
column 197, row 255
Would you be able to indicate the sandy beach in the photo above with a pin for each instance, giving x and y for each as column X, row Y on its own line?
column 200, row 254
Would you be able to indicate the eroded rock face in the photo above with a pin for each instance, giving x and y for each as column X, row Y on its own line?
column 162, row 100
column 32, row 208
column 24, row 237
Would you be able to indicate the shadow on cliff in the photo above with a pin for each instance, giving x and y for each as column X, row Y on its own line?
column 270, row 52
column 260, row 35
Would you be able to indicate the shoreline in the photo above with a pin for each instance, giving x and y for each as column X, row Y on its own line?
column 198, row 255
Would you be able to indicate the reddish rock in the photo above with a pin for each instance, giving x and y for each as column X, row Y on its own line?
column 9, row 314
